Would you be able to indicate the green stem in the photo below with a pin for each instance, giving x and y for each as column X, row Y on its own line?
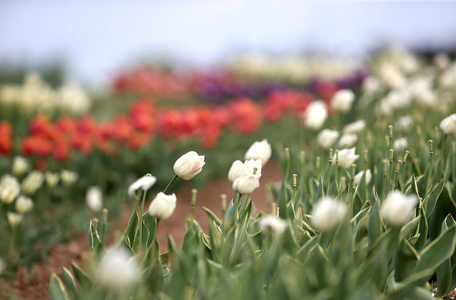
column 170, row 183
column 103, row 226
column 454, row 161
column 428, row 181
column 329, row 172
column 141, row 218
column 13, row 241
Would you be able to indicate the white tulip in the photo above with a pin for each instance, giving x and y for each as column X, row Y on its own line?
column 94, row 198
column 259, row 150
column 51, row 179
column 162, row 207
column 32, row 182
column 68, row 177
column 20, row 166
column 346, row 158
column 359, row 176
column 238, row 168
column 24, row 204
column 448, row 125
column 326, row 138
column 144, row 183
column 392, row 76
column 14, row 219
column 400, row 144
column 404, row 123
column 246, row 183
column 315, row 115
column 355, row 127
column 189, row 165
column 328, row 213
column 396, row 208
column 9, row 189
column 348, row 140
column 117, row 270
column 271, row 225
column 342, row 100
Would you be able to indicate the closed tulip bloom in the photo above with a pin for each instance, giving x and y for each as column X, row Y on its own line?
column 397, row 207
column 32, row 182
column 238, row 168
column 328, row 213
column 359, row 176
column 272, row 225
column 20, row 165
column 348, row 140
column 346, row 158
column 51, row 179
column 315, row 115
column 259, row 150
column 246, row 183
column 68, row 177
column 24, row 204
column 144, row 183
column 117, row 270
column 189, row 165
column 14, row 219
column 9, row 189
column 448, row 125
column 355, row 127
column 342, row 100
column 162, row 207
column 326, row 138
column 94, row 198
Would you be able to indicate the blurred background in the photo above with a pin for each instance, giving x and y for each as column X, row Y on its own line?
column 92, row 40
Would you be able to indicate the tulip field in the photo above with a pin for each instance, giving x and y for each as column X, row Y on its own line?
column 364, row 209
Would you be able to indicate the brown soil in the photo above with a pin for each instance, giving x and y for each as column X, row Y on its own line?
column 34, row 285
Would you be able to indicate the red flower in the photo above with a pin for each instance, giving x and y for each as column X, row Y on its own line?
column 6, row 140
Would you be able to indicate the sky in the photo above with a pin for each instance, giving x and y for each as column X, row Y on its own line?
column 98, row 38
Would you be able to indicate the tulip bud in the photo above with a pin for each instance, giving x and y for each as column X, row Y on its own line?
column 448, row 125
column 272, row 225
column 396, row 208
column 144, row 183
column 259, row 150
column 246, row 183
column 326, row 138
column 24, row 204
column 315, row 115
column 94, row 198
column 32, row 182
column 359, row 176
column 189, row 165
column 238, row 168
column 117, row 270
column 9, row 189
column 346, row 158
column 68, row 177
column 162, row 207
column 14, row 219
column 51, row 179
column 20, row 165
column 342, row 100
column 328, row 213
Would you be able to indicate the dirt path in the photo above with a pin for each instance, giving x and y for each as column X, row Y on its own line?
column 35, row 285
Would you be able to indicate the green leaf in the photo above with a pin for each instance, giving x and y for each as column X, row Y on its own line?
column 56, row 288
column 375, row 223
column 132, row 228
column 423, row 231
column 405, row 260
column 444, row 271
column 70, row 283
column 82, row 278
column 212, row 216
column 433, row 197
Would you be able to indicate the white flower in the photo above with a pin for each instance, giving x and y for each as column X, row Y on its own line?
column 144, row 183
column 348, row 140
column 246, row 183
column 14, row 219
column 271, row 225
column 359, row 176
column 442, row 61
column 162, row 207
column 51, row 179
column 9, row 189
column 448, row 125
column 24, row 204
column 259, row 150
column 238, row 168
column 354, row 127
column 398, row 99
column 189, row 165
column 346, row 158
column 328, row 213
column 342, row 100
column 371, row 85
column 94, row 198
column 117, row 270
column 396, row 208
column 400, row 144
column 68, row 177
column 326, row 138
column 404, row 123
column 32, row 182
column 315, row 115
column 392, row 76
column 20, row 165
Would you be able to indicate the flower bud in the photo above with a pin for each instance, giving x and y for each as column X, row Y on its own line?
column 9, row 189
column 14, row 219
column 51, row 179
column 162, row 207
column 20, row 165
column 346, row 158
column 68, row 177
column 326, row 138
column 272, row 225
column 448, row 125
column 144, row 183
column 328, row 213
column 396, row 208
column 359, row 176
column 32, row 182
column 342, row 100
column 24, row 204
column 238, row 168
column 246, row 183
column 94, row 198
column 259, row 150
column 117, row 270
column 315, row 115
column 189, row 165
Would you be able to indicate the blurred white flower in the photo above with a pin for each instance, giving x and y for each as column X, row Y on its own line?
column 371, row 85
column 259, row 150
column 271, row 225
column 20, row 165
column 117, row 270
column 448, row 125
column 238, row 168
column 392, row 76
column 346, row 158
column 327, row 213
column 189, row 165
column 9, row 189
column 68, row 177
column 396, row 208
column 342, row 100
column 144, row 183
column 14, row 219
column 326, row 138
column 94, row 198
column 23, row 204
column 400, row 144
column 246, row 183
column 315, row 115
column 398, row 99
column 51, row 179
column 162, row 207
column 355, row 127
column 442, row 61
column 32, row 182
column 404, row 123
column 348, row 140
column 359, row 176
